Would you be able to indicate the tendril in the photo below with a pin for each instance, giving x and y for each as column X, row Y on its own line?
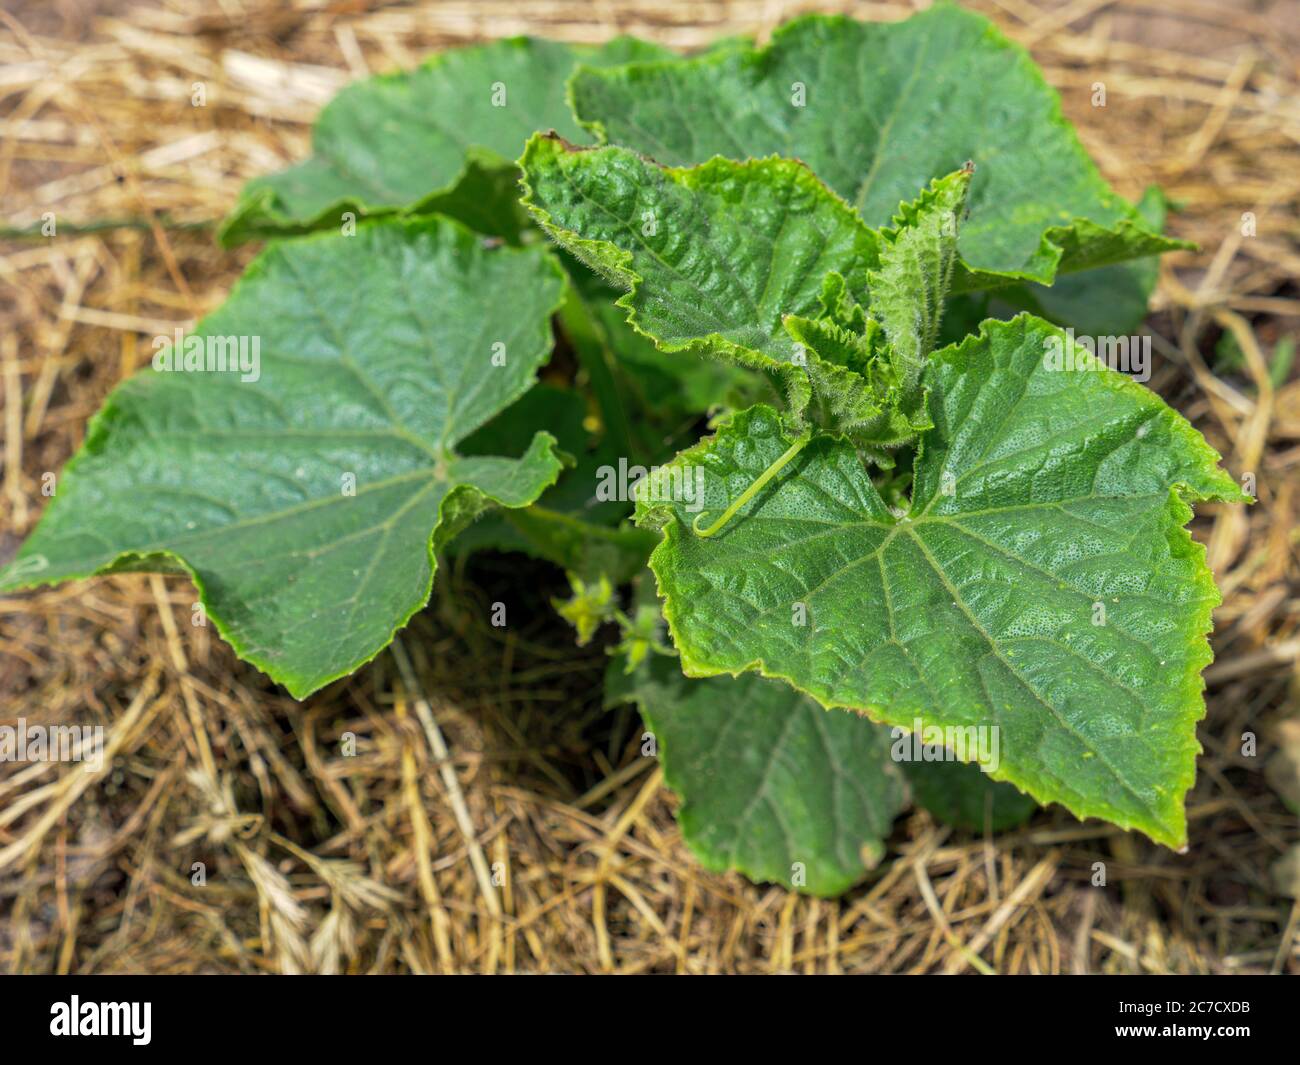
column 752, row 490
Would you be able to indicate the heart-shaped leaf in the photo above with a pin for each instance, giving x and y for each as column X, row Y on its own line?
column 307, row 494
column 1041, row 582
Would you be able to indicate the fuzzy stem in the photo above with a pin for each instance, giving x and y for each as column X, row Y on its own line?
column 753, row 489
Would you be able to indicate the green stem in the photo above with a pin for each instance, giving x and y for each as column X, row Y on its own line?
column 753, row 489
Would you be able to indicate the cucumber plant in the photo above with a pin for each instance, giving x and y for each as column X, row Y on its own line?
column 896, row 519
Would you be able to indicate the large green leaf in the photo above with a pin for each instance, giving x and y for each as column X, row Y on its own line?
column 771, row 784
column 877, row 111
column 1040, row 582
column 307, row 504
column 442, row 137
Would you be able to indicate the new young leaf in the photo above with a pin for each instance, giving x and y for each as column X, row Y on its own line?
column 908, row 290
column 307, row 503
column 866, row 372
column 714, row 257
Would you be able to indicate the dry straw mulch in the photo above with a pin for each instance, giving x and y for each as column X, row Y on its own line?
column 482, row 754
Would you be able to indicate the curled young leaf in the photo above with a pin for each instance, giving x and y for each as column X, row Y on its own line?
column 866, row 371
column 714, row 257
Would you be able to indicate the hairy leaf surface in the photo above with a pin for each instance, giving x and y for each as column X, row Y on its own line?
column 908, row 291
column 1041, row 580
column 767, row 777
column 878, row 110
column 307, row 504
column 866, row 371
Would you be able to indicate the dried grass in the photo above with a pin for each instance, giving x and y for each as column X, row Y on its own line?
column 542, row 841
